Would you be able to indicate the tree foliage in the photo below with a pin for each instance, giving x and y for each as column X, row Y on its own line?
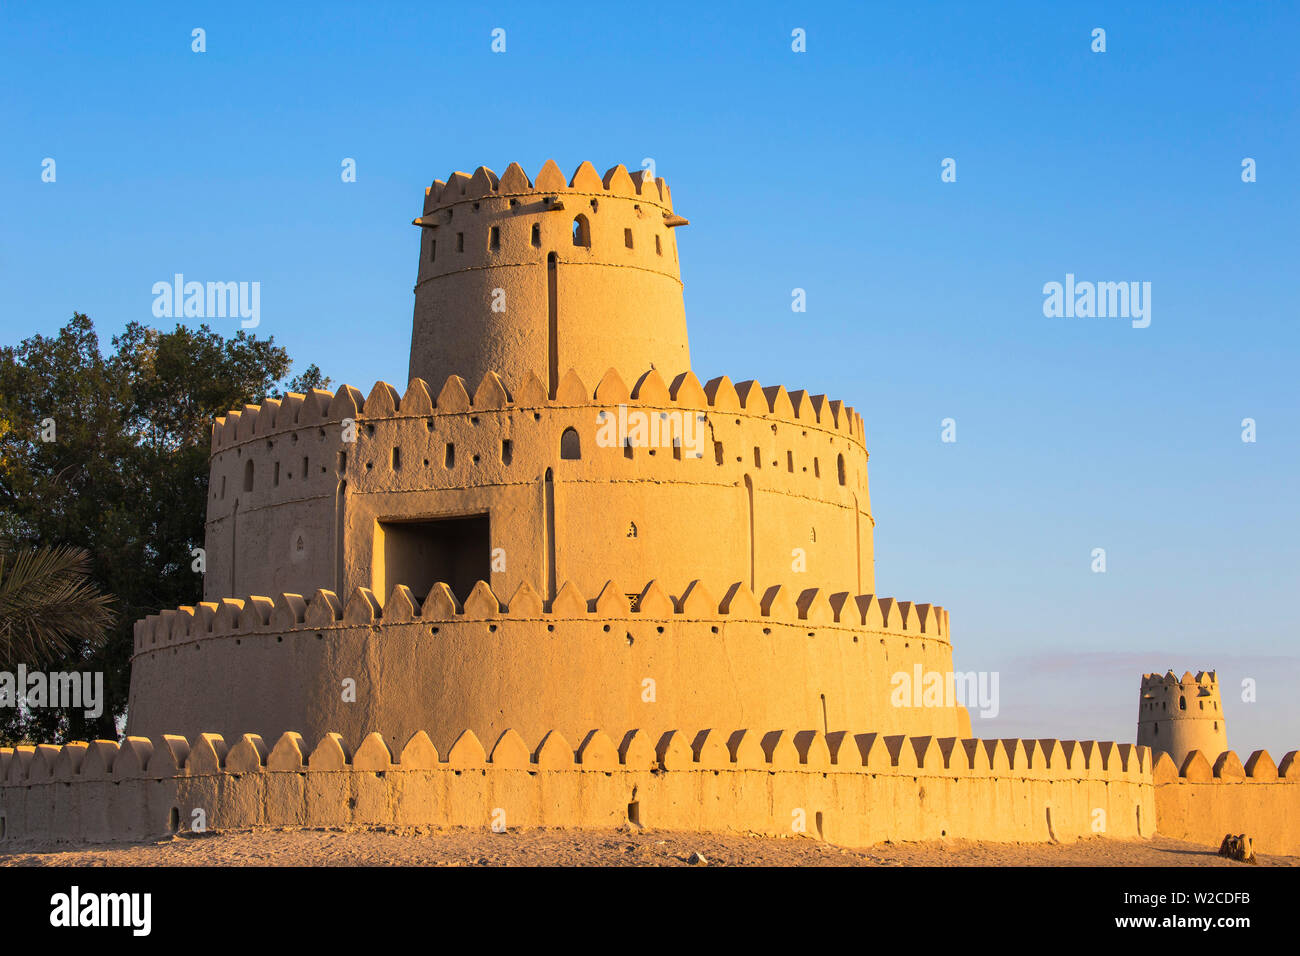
column 125, row 476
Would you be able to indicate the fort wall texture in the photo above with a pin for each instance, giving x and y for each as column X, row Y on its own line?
column 690, row 658
column 849, row 789
column 1201, row 802
column 293, row 506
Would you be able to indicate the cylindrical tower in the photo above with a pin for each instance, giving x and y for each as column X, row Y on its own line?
column 519, row 277
column 1179, row 716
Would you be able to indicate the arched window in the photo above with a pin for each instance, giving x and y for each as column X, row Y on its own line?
column 248, row 475
column 581, row 231
column 570, row 445
column 1182, row 703
column 537, row 234
column 841, row 468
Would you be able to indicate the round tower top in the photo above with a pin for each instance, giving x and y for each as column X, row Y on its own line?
column 521, row 277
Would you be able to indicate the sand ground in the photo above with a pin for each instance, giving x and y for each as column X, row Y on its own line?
column 411, row 846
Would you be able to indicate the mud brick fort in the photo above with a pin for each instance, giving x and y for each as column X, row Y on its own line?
column 560, row 579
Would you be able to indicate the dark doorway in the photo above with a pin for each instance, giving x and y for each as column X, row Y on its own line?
column 420, row 553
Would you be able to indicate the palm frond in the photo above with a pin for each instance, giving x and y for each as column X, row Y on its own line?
column 48, row 606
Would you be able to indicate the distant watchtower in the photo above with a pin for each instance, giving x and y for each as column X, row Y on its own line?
column 1179, row 716
column 518, row 277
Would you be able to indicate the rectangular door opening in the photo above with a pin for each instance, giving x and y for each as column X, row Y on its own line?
column 421, row 552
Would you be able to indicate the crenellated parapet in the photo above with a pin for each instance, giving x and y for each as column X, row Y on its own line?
column 649, row 390
column 845, row 787
column 324, row 609
column 808, row 751
column 1209, row 794
column 1156, row 683
column 514, row 183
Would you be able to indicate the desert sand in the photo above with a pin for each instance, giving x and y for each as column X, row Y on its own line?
column 408, row 846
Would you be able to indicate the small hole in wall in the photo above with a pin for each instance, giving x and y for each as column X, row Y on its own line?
column 433, row 630
column 714, row 629
column 492, row 628
column 320, row 637
column 537, row 416
column 238, row 642
column 606, row 628
column 630, row 639
column 659, row 629
column 279, row 639
column 550, row 627
column 767, row 630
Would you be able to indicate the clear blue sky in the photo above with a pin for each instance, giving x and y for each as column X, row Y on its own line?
column 818, row 170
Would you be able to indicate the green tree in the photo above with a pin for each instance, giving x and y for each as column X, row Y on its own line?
column 110, row 453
